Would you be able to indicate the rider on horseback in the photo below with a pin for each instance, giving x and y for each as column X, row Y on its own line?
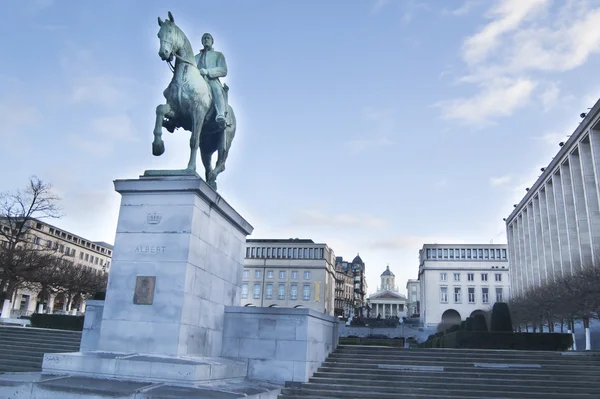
column 212, row 66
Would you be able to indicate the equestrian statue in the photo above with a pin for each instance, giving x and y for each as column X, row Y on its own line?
column 196, row 100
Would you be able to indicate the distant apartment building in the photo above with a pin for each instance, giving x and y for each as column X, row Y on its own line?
column 413, row 304
column 360, row 288
column 458, row 280
column 289, row 273
column 344, row 290
column 82, row 252
column 555, row 229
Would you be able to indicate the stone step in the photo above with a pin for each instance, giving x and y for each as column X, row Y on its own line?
column 478, row 357
column 352, row 359
column 22, row 363
column 461, row 352
column 40, row 341
column 11, row 368
column 385, row 377
column 508, row 393
column 38, row 347
column 35, row 330
column 464, row 367
column 460, row 372
column 497, row 385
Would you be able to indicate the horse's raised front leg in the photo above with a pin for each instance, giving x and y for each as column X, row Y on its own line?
column 158, row 146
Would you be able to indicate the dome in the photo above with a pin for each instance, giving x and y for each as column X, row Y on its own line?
column 387, row 272
column 358, row 260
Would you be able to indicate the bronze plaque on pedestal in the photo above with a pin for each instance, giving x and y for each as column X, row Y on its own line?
column 144, row 290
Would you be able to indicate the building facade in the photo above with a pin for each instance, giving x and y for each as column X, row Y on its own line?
column 80, row 251
column 344, row 291
column 387, row 302
column 457, row 280
column 289, row 273
column 358, row 270
column 413, row 305
column 555, row 229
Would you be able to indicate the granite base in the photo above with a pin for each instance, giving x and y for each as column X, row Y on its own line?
column 133, row 366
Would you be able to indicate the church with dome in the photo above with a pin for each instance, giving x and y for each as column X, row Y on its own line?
column 387, row 301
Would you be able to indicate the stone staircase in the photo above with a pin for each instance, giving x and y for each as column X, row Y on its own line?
column 23, row 348
column 381, row 372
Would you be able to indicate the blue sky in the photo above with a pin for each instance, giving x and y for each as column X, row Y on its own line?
column 375, row 125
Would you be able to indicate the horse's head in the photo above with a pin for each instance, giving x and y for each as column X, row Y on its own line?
column 171, row 39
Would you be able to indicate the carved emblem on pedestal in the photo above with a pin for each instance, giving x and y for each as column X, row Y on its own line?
column 153, row 218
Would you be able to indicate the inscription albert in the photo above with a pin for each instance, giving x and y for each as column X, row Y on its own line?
column 150, row 249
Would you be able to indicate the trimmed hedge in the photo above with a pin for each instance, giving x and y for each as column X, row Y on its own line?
column 479, row 323
column 99, row 296
column 57, row 321
column 507, row 340
column 501, row 320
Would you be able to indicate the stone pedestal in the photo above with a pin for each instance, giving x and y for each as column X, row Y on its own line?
column 177, row 262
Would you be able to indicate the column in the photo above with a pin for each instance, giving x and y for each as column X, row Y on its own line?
column 581, row 211
column 571, row 215
column 591, row 192
column 561, row 221
column 553, row 232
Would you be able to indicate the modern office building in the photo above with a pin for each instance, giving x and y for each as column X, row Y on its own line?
column 555, row 229
column 289, row 273
column 457, row 280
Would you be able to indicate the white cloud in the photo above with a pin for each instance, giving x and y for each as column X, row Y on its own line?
column 117, row 127
column 360, row 145
column 549, row 96
column 340, row 220
column 379, row 4
column 15, row 116
column 506, row 16
column 498, row 98
column 465, row 8
column 522, row 41
column 411, row 243
column 552, row 138
column 499, row 181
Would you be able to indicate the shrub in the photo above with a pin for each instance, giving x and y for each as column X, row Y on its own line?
column 463, row 325
column 508, row 340
column 99, row 296
column 501, row 320
column 469, row 325
column 57, row 321
column 479, row 323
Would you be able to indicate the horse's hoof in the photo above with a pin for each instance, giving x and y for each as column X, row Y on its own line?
column 158, row 148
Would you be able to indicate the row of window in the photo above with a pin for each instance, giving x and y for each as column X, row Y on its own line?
column 284, row 253
column 72, row 252
column 280, row 292
column 76, row 240
column 271, row 274
column 471, row 277
column 485, row 297
column 450, row 253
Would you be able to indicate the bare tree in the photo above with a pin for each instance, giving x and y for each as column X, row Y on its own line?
column 20, row 254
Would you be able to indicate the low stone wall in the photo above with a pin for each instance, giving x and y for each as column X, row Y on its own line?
column 351, row 331
column 279, row 344
column 91, row 325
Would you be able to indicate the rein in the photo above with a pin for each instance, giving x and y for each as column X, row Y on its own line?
column 172, row 68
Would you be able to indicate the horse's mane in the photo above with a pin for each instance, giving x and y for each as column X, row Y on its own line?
column 187, row 46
